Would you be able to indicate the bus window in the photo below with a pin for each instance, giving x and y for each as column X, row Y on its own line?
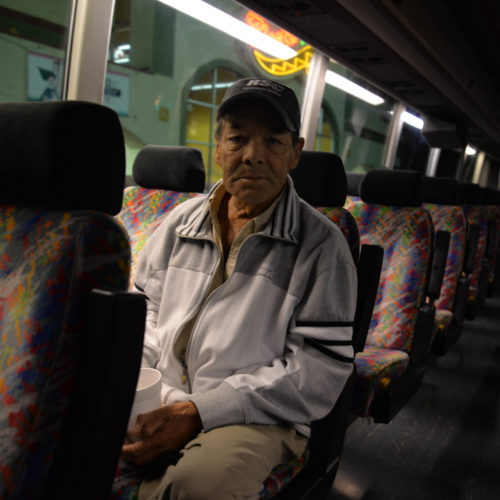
column 363, row 126
column 205, row 95
column 167, row 71
column 325, row 135
column 33, row 49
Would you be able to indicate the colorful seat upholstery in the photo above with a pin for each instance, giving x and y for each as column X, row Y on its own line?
column 167, row 176
column 64, row 399
column 441, row 197
column 389, row 213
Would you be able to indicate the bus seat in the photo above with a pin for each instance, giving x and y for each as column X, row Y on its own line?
column 71, row 333
column 313, row 472
column 441, row 200
column 320, row 179
column 390, row 368
column 488, row 198
column 476, row 214
column 166, row 176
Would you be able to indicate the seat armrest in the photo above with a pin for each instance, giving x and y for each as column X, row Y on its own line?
column 438, row 264
column 422, row 337
column 369, row 267
column 471, row 247
column 110, row 359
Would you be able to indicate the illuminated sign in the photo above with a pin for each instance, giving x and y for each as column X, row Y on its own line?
column 272, row 65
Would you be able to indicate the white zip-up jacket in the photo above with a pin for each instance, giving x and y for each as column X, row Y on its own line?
column 273, row 343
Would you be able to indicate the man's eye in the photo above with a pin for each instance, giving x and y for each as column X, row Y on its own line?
column 236, row 138
column 273, row 140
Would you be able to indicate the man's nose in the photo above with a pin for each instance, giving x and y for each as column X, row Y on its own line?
column 254, row 151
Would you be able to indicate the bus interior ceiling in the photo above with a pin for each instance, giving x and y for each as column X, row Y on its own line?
column 439, row 58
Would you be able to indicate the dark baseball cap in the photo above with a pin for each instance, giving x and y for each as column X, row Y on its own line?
column 281, row 97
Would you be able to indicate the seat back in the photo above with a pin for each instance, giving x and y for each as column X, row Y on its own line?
column 167, row 176
column 59, row 242
column 321, row 181
column 440, row 197
column 389, row 214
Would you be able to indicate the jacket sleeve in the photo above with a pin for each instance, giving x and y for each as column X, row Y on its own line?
column 304, row 384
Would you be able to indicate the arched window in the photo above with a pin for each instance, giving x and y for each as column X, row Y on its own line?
column 326, row 131
column 204, row 96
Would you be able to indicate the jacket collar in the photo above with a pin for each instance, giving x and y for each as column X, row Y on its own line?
column 283, row 224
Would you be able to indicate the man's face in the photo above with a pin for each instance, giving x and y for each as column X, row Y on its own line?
column 256, row 153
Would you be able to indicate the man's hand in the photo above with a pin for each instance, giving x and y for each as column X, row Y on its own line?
column 166, row 429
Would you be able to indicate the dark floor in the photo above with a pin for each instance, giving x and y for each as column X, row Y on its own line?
column 445, row 444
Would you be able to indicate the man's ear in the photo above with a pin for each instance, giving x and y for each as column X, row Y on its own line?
column 216, row 156
column 299, row 146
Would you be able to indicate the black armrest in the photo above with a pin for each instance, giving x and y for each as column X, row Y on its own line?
column 370, row 262
column 110, row 359
column 471, row 247
column 492, row 239
column 438, row 265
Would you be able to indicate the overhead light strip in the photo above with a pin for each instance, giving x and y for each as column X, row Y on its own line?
column 352, row 88
column 413, row 120
column 218, row 19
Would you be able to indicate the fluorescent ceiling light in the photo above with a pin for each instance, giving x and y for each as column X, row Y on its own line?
column 218, row 19
column 352, row 88
column 470, row 151
column 413, row 120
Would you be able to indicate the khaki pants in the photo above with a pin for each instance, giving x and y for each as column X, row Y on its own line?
column 228, row 462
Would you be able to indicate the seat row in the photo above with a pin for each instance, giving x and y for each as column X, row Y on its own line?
column 72, row 331
column 411, row 300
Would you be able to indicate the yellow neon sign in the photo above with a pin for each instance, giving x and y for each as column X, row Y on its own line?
column 272, row 65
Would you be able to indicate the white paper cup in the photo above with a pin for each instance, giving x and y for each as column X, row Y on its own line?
column 147, row 394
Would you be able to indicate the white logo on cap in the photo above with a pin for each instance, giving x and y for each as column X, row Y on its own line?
column 276, row 87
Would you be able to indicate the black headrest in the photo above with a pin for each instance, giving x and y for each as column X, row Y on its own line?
column 382, row 186
column 441, row 190
column 174, row 168
column 353, row 182
column 488, row 196
column 66, row 154
column 320, row 179
column 468, row 193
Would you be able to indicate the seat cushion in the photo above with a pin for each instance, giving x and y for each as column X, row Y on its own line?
column 442, row 320
column 143, row 210
column 376, row 368
column 128, row 479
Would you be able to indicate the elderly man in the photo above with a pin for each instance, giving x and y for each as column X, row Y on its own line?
column 246, row 288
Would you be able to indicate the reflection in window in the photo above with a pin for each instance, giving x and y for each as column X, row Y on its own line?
column 205, row 95
column 32, row 49
column 325, row 134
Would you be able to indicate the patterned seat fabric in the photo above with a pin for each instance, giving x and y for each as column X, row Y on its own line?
column 477, row 214
column 451, row 219
column 406, row 234
column 143, row 210
column 347, row 224
column 42, row 317
column 376, row 368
